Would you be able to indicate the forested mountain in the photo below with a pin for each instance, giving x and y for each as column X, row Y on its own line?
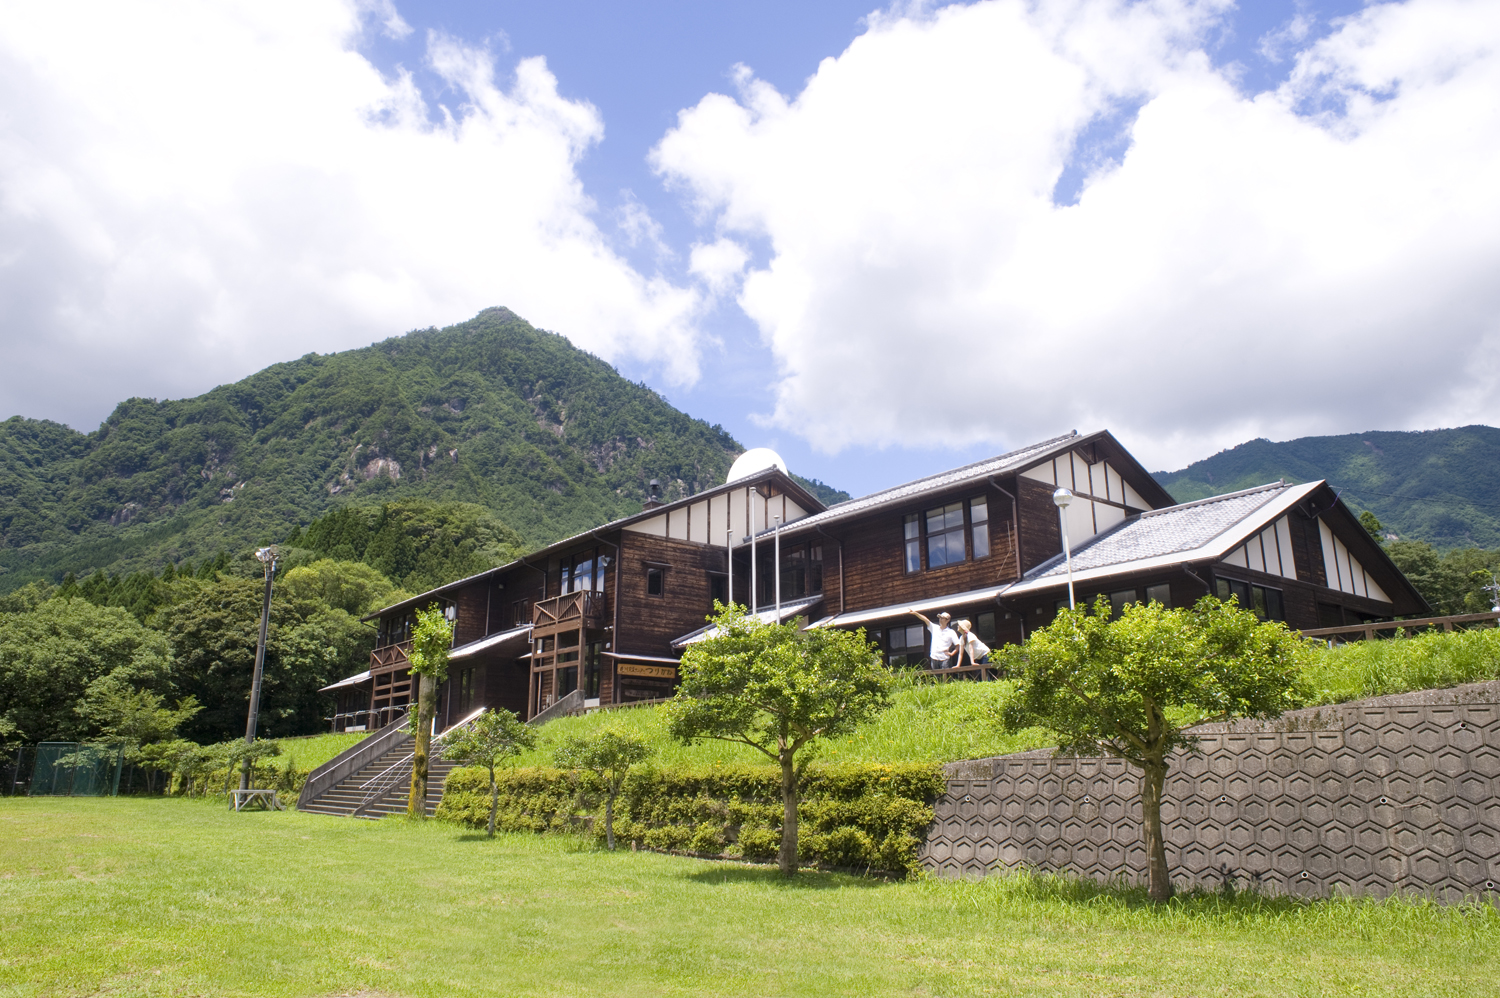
column 1438, row 486
column 493, row 412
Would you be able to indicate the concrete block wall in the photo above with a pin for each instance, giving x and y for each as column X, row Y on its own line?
column 1375, row 796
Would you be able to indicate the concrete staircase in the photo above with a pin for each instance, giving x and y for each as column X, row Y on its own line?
column 380, row 785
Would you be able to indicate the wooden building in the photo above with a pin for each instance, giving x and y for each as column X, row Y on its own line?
column 609, row 611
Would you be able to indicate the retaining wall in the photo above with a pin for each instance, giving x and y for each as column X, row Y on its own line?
column 1375, row 796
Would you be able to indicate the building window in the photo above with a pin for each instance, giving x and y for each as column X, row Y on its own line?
column 655, row 582
column 1160, row 594
column 950, row 534
column 1121, row 599
column 718, row 588
column 906, row 646
column 815, row 569
column 1264, row 603
column 945, row 535
column 979, row 527
column 794, row 574
column 584, row 572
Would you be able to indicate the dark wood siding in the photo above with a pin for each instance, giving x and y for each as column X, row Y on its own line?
column 649, row 623
column 1041, row 530
column 1307, row 549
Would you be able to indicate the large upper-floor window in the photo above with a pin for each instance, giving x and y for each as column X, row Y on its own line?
column 1264, row 602
column 947, row 535
column 801, row 571
column 584, row 572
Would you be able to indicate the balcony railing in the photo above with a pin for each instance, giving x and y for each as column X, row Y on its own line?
column 568, row 609
column 389, row 657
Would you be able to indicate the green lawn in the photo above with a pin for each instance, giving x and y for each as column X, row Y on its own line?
column 178, row 897
column 927, row 722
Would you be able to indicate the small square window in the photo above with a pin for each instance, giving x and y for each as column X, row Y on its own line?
column 1159, row 594
column 654, row 582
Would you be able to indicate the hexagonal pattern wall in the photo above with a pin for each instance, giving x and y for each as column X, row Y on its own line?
column 1376, row 796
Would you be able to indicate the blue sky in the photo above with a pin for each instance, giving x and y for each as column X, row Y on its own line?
column 882, row 241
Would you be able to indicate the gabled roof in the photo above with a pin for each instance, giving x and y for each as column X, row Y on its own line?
column 1006, row 464
column 783, row 481
column 1205, row 530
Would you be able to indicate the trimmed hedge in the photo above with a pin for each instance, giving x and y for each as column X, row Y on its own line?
column 859, row 816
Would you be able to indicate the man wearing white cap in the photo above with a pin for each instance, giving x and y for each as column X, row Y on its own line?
column 944, row 641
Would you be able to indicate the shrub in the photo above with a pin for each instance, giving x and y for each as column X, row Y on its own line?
column 852, row 815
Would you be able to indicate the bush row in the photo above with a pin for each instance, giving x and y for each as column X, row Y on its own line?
column 860, row 816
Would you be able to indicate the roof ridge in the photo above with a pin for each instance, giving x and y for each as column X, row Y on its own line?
column 1278, row 484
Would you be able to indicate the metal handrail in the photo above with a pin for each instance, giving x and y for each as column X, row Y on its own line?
column 383, row 781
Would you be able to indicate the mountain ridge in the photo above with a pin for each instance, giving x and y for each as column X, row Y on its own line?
column 1441, row 486
column 491, row 411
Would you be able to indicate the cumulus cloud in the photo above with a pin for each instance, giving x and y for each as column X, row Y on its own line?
column 719, row 263
column 1320, row 258
column 188, row 192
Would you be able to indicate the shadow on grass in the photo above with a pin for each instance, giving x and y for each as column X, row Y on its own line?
column 1247, row 902
column 727, row 872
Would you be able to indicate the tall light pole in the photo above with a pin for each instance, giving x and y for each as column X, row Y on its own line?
column 729, row 550
column 754, row 589
column 1062, row 497
column 267, row 557
column 777, row 570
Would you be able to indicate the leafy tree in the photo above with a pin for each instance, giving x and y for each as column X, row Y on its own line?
column 491, row 740
column 608, row 754
column 135, row 718
column 1129, row 687
column 430, row 642
column 1460, row 581
column 213, row 633
column 51, row 653
column 1372, row 526
column 355, row 588
column 778, row 689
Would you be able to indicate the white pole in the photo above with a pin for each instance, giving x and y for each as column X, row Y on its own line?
column 729, row 551
column 1062, row 497
column 778, row 570
column 754, row 588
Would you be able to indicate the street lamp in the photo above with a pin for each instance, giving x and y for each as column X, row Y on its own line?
column 1062, row 497
column 267, row 557
column 754, row 586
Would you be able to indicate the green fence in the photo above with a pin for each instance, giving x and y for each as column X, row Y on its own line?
column 75, row 769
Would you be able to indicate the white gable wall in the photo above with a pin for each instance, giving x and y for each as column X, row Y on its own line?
column 1088, row 482
column 704, row 522
column 1344, row 571
column 1268, row 551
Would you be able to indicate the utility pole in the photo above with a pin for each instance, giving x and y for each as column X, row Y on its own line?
column 267, row 557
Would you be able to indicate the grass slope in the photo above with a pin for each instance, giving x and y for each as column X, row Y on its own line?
column 927, row 722
column 1438, row 486
column 156, row 897
column 491, row 411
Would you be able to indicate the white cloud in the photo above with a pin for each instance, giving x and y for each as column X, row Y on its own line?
column 718, row 263
column 191, row 191
column 1317, row 259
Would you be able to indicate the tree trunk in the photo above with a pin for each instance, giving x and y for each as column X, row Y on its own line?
column 1158, row 876
column 416, row 802
column 787, row 858
column 494, row 800
column 609, row 819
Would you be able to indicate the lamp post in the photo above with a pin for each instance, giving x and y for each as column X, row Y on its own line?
column 754, row 589
column 777, row 570
column 267, row 557
column 729, row 551
column 1062, row 497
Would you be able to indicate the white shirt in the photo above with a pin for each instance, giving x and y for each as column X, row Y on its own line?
column 977, row 649
column 944, row 641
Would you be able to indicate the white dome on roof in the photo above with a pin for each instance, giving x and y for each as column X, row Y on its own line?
column 753, row 460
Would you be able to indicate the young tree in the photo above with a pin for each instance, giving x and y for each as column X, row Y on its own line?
column 608, row 754
column 138, row 719
column 777, row 689
column 430, row 644
column 1129, row 686
column 493, row 739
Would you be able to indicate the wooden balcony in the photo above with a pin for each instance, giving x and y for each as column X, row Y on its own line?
column 573, row 610
column 389, row 658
